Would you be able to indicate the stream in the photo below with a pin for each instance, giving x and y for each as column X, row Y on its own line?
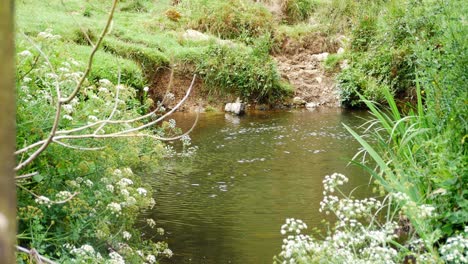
column 226, row 203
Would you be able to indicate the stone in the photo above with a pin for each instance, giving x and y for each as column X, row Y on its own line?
column 191, row 34
column 340, row 51
column 311, row 105
column 237, row 108
column 321, row 56
column 228, row 107
column 298, row 101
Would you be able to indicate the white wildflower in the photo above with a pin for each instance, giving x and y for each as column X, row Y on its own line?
column 151, row 222
column 146, row 89
column 124, row 182
column 142, row 191
column 68, row 117
column 110, row 187
column 115, row 208
column 63, row 195
column 88, row 183
column 92, row 118
column 151, row 259
column 115, row 258
column 25, row 53
column 126, row 235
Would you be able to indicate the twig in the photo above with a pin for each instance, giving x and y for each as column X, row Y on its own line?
column 29, row 175
column 91, row 57
column 35, row 255
column 61, row 100
column 125, row 133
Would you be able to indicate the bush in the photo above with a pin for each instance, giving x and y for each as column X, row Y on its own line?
column 83, row 205
column 250, row 74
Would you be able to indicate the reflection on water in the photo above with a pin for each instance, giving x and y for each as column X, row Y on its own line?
column 227, row 204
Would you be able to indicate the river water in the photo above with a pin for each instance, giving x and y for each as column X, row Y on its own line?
column 226, row 204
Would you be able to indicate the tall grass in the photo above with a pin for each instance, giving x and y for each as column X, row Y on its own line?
column 422, row 152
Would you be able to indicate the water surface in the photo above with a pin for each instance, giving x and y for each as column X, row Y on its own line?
column 227, row 203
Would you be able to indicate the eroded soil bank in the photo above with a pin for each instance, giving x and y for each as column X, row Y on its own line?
column 299, row 62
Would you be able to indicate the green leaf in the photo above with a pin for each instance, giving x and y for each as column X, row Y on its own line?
column 38, row 178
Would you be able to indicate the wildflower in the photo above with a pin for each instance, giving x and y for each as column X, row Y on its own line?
column 63, row 195
column 126, row 235
column 93, row 118
column 128, row 171
column 151, row 259
column 115, row 258
column 152, row 203
column 110, row 187
column 167, row 252
column 145, row 89
column 172, row 123
column 63, row 69
column 142, row 191
column 43, row 200
column 25, row 53
column 104, row 82
column 124, row 192
column 88, row 183
column 26, row 79
column 151, row 222
column 115, row 208
column 124, row 182
column 68, row 117
column 103, row 90
column 160, row 231
column 120, row 87
column 117, row 172
column 68, row 108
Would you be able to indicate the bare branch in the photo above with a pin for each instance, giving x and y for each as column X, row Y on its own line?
column 34, row 254
column 91, row 57
column 29, row 175
column 61, row 100
column 75, row 147
column 63, row 134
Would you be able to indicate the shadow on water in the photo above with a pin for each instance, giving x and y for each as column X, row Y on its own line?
column 227, row 203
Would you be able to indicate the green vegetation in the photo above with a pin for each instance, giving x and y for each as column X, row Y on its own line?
column 418, row 48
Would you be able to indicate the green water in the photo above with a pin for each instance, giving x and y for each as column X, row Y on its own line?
column 227, row 203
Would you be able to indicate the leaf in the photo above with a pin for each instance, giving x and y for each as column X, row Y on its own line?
column 38, row 178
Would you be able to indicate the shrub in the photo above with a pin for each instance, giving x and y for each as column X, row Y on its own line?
column 247, row 73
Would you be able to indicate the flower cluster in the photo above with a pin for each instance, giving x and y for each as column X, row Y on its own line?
column 456, row 249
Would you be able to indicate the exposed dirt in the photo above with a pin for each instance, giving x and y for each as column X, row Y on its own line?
column 301, row 64
column 181, row 81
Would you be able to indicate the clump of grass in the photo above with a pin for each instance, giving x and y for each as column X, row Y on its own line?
column 229, row 19
column 298, row 10
column 137, row 6
column 150, row 59
column 106, row 66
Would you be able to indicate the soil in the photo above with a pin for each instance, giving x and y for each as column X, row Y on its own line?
column 199, row 99
column 301, row 64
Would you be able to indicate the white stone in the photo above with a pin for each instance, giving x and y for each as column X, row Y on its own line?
column 311, row 105
column 340, row 51
column 191, row 34
column 321, row 56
